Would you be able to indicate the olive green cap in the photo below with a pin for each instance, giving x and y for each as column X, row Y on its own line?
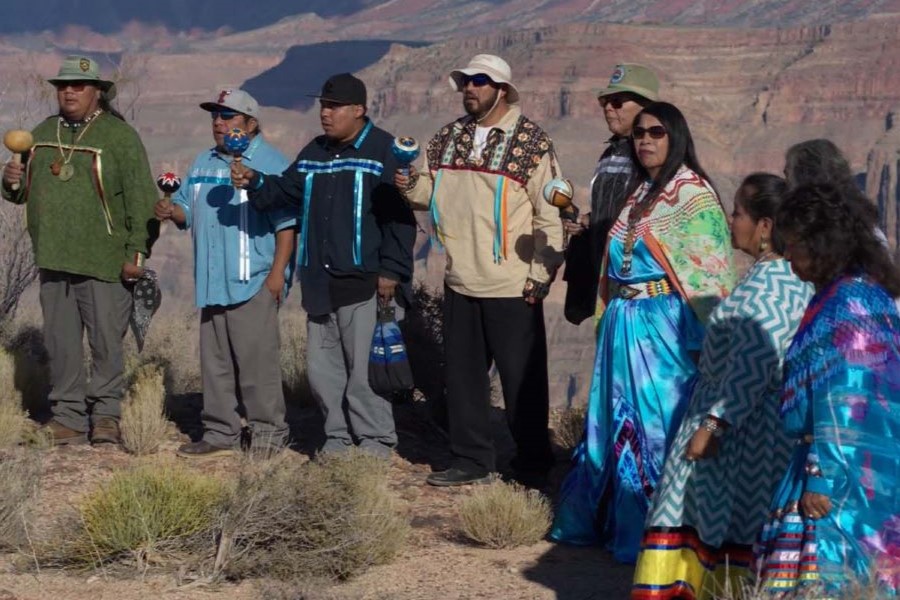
column 633, row 78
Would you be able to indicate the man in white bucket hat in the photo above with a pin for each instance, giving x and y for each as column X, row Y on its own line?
column 482, row 182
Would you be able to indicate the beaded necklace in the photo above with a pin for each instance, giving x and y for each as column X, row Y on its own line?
column 62, row 167
column 640, row 209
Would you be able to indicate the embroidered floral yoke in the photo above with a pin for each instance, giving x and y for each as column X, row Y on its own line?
column 487, row 208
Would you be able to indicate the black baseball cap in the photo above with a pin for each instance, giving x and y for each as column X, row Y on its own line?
column 343, row 88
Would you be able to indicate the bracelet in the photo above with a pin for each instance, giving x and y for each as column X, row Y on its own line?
column 713, row 426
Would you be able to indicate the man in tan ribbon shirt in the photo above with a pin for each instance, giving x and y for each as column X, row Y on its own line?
column 483, row 183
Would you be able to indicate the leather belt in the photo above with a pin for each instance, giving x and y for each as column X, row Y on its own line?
column 645, row 289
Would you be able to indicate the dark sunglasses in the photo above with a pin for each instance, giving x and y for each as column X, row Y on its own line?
column 225, row 115
column 478, row 80
column 615, row 101
column 657, row 132
column 75, row 86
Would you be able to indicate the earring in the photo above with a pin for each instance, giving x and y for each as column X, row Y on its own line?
column 764, row 245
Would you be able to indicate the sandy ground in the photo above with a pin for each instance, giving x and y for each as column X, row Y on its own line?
column 438, row 561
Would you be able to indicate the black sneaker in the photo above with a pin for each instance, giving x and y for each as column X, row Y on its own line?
column 454, row 476
column 202, row 449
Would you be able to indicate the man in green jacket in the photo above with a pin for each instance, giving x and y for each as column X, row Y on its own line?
column 90, row 196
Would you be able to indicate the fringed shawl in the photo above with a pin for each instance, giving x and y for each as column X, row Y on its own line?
column 687, row 234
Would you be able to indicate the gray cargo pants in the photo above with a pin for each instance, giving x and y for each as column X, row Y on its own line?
column 72, row 304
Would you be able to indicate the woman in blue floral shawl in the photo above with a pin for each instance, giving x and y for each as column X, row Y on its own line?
column 836, row 514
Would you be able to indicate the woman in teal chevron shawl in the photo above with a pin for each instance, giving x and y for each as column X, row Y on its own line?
column 835, row 516
column 729, row 451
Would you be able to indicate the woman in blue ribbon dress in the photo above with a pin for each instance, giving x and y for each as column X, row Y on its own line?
column 668, row 263
column 730, row 450
column 835, row 518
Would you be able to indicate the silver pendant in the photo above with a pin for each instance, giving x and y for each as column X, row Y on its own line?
column 66, row 172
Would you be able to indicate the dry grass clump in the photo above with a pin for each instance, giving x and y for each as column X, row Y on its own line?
column 143, row 514
column 144, row 422
column 20, row 476
column 569, row 426
column 332, row 518
column 173, row 344
column 505, row 515
column 13, row 418
column 293, row 356
column 753, row 589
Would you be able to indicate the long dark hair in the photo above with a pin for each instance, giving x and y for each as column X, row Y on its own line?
column 106, row 98
column 681, row 150
column 767, row 191
column 839, row 234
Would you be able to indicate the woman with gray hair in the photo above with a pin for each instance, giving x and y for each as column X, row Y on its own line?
column 820, row 161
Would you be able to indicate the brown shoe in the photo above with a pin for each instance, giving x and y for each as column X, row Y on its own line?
column 202, row 449
column 60, row 435
column 106, row 431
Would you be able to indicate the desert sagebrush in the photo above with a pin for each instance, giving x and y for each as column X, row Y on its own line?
column 568, row 426
column 143, row 422
column 505, row 515
column 152, row 507
column 332, row 518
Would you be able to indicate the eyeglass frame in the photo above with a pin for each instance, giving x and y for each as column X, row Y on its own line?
column 638, row 132
column 619, row 99
column 477, row 80
column 77, row 85
column 221, row 114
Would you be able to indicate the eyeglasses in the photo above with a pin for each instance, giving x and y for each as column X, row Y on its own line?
column 656, row 132
column 75, row 86
column 478, row 80
column 225, row 115
column 616, row 101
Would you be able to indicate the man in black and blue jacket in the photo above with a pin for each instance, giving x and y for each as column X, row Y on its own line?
column 354, row 251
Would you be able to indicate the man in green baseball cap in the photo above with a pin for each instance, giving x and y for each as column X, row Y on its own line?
column 631, row 87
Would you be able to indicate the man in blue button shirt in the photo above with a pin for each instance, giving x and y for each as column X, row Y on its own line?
column 355, row 250
column 242, row 272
